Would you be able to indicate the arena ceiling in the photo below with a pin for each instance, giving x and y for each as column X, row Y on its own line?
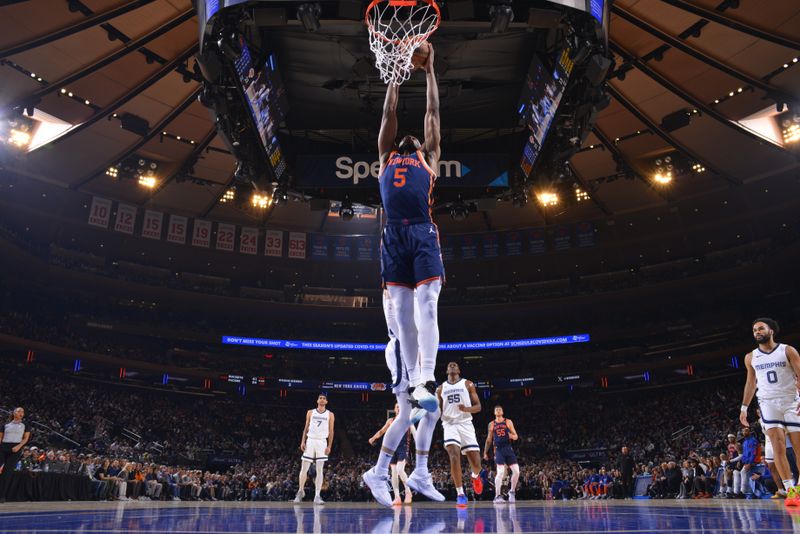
column 86, row 63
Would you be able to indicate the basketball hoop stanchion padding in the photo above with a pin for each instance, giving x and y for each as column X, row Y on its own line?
column 396, row 29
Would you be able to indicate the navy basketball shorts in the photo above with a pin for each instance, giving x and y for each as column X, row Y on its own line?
column 401, row 454
column 504, row 456
column 411, row 255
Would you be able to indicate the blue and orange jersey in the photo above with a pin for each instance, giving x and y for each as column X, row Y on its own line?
column 407, row 188
column 500, row 434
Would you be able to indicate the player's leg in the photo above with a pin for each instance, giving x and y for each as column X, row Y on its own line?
column 401, row 473
column 454, row 457
column 318, row 481
column 498, row 483
column 395, row 484
column 512, row 490
column 304, row 466
column 470, row 449
column 398, row 308
column 377, row 478
column 427, row 318
column 420, row 479
column 777, row 436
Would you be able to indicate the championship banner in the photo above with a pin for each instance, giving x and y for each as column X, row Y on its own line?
column 100, row 212
column 536, row 241
column 151, row 227
column 297, row 245
column 319, row 247
column 490, row 245
column 248, row 240
column 447, row 245
column 126, row 218
column 512, row 242
column 366, row 247
column 562, row 237
column 201, row 235
column 273, row 243
column 226, row 234
column 342, row 248
column 469, row 247
column 176, row 231
column 585, row 233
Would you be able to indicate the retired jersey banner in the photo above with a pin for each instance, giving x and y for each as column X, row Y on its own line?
column 319, row 247
column 226, row 235
column 201, row 235
column 562, row 237
column 100, row 212
column 366, row 247
column 297, row 245
column 176, row 231
column 151, row 227
column 447, row 244
column 490, row 245
column 536, row 241
column 342, row 248
column 469, row 246
column 273, row 243
column 126, row 218
column 248, row 240
column 585, row 233
column 512, row 243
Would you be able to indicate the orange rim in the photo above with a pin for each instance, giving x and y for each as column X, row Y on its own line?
column 402, row 3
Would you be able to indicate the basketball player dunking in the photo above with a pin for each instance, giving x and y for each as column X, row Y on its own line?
column 773, row 368
column 502, row 432
column 459, row 400
column 420, row 479
column 411, row 259
column 316, row 446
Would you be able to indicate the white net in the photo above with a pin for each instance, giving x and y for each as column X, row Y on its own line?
column 396, row 29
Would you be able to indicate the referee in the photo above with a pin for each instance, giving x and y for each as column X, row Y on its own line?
column 12, row 439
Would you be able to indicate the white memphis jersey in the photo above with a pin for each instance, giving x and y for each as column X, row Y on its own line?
column 318, row 428
column 452, row 396
column 774, row 376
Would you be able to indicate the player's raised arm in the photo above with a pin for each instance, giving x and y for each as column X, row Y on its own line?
column 433, row 136
column 488, row 441
column 512, row 432
column 381, row 432
column 305, row 431
column 388, row 132
column 473, row 396
column 749, row 388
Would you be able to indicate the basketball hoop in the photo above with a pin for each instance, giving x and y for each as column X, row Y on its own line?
column 396, row 29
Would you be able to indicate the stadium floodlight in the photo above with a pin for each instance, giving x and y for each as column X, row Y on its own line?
column 547, row 198
column 662, row 178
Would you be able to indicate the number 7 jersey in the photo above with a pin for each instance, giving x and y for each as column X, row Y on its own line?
column 406, row 188
column 452, row 396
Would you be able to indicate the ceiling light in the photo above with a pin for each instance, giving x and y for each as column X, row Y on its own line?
column 147, row 180
column 19, row 138
column 229, row 195
column 259, row 201
column 547, row 198
column 663, row 178
column 581, row 195
column 112, row 172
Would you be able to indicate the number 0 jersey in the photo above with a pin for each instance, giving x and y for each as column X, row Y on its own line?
column 406, row 188
column 452, row 396
column 774, row 376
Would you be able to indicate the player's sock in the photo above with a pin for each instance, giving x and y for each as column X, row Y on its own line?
column 514, row 478
column 424, row 438
column 400, row 318
column 318, row 479
column 395, row 433
column 460, row 490
column 427, row 321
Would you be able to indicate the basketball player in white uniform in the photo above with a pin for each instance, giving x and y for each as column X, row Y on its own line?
column 316, row 445
column 773, row 368
column 420, row 479
column 459, row 400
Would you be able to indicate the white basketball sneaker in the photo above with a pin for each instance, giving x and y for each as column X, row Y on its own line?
column 299, row 497
column 423, row 483
column 379, row 486
column 423, row 394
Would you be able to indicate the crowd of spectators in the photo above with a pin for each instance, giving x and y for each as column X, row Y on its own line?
column 146, row 444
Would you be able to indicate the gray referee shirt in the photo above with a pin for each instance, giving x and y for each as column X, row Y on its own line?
column 13, row 432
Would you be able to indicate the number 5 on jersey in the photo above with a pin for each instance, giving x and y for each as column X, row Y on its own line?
column 400, row 176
